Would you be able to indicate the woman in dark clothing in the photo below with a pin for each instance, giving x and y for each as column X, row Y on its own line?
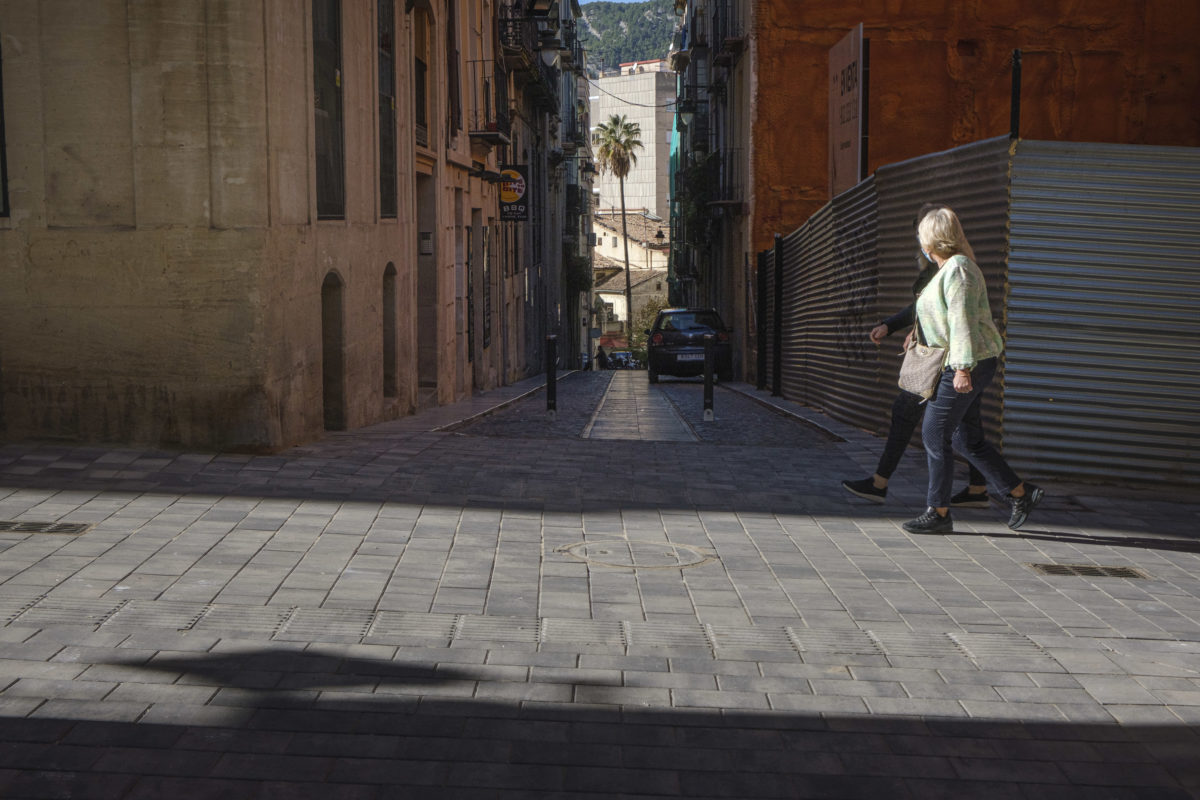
column 908, row 408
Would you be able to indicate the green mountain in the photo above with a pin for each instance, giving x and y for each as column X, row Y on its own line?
column 614, row 33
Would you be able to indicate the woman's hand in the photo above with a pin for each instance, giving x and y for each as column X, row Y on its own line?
column 962, row 381
column 878, row 333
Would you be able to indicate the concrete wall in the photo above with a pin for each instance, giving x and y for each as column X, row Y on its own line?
column 163, row 263
column 139, row 211
column 646, row 186
column 1124, row 71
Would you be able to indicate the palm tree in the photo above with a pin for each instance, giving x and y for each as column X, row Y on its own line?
column 618, row 141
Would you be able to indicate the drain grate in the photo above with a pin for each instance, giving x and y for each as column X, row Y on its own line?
column 69, row 611
column 728, row 637
column 665, row 634
column 995, row 646
column 243, row 620
column 325, row 625
column 582, row 631
column 13, row 607
column 498, row 629
column 847, row 642
column 905, row 644
column 1087, row 571
column 67, row 528
column 403, row 627
column 156, row 614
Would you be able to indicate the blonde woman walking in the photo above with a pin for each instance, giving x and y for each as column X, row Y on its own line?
column 953, row 312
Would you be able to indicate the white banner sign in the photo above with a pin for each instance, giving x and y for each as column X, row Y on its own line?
column 845, row 112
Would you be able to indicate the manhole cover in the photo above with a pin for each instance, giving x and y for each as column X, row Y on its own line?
column 639, row 555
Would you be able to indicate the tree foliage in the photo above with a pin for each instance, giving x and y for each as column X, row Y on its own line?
column 642, row 322
column 577, row 271
column 617, row 33
column 617, row 142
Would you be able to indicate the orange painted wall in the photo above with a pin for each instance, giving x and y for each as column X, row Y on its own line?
column 1125, row 71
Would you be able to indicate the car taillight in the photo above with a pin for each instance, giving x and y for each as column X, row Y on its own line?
column 723, row 336
column 656, row 339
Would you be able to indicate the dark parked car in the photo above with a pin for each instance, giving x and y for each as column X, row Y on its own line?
column 621, row 359
column 676, row 344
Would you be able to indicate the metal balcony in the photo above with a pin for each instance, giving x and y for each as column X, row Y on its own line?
column 729, row 38
column 488, row 119
column 571, row 56
column 518, row 38
column 730, row 191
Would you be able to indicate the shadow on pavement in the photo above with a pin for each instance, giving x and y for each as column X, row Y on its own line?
column 295, row 725
column 1176, row 545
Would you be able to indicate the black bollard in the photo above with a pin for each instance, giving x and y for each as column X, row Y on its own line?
column 551, row 375
column 708, row 377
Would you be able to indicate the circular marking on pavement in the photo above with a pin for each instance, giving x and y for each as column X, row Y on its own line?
column 633, row 554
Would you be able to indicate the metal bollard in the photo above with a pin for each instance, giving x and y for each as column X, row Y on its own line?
column 708, row 377
column 551, row 376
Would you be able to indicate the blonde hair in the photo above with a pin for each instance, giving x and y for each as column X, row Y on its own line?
column 941, row 233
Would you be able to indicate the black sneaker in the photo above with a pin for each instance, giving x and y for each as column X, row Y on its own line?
column 968, row 499
column 930, row 522
column 1021, row 506
column 865, row 489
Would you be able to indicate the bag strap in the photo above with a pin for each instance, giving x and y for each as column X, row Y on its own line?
column 917, row 328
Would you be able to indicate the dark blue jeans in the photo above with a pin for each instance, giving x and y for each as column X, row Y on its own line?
column 906, row 413
column 953, row 422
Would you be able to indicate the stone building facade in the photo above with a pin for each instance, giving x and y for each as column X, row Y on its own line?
column 240, row 223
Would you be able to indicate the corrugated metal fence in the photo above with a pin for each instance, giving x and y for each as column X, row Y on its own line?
column 1093, row 274
column 1103, row 377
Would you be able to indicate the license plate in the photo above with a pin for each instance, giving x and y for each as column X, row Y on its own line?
column 690, row 357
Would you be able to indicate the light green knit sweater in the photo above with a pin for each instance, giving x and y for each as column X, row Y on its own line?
column 954, row 313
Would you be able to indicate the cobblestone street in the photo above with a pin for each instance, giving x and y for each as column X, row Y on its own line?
column 621, row 601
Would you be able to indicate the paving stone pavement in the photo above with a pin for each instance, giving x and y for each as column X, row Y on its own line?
column 482, row 601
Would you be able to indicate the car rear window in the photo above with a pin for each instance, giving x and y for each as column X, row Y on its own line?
column 685, row 320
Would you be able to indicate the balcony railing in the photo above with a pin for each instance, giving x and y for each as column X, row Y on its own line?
column 572, row 57
column 545, row 84
column 731, row 189
column 521, row 41
column 518, row 37
column 728, row 35
column 488, row 119
column 574, row 200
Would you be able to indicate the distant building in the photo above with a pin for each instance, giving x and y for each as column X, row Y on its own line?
column 644, row 92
